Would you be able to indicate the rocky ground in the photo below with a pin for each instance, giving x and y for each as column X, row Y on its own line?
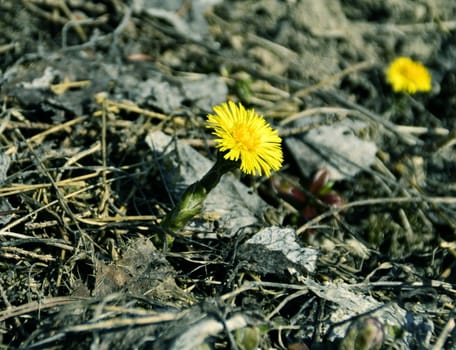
column 351, row 245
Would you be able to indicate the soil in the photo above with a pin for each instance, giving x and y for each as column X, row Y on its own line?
column 351, row 250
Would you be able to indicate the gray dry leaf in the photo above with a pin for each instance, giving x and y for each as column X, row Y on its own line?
column 169, row 95
column 348, row 302
column 336, row 147
column 321, row 18
column 231, row 203
column 190, row 23
column 205, row 92
column 273, row 250
column 31, row 86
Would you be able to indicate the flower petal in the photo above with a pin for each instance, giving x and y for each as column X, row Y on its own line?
column 246, row 136
column 406, row 75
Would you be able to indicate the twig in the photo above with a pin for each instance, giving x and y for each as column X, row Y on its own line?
column 260, row 284
column 374, row 201
column 52, row 17
column 334, row 78
column 5, row 230
column 408, row 28
column 102, row 208
column 66, row 10
column 27, row 240
column 116, row 219
column 19, row 254
column 318, row 110
column 61, row 88
column 421, row 130
column 129, row 107
column 285, row 301
column 35, row 306
column 60, row 196
column 7, row 47
column 407, row 285
column 76, row 158
column 21, row 188
column 38, row 138
column 408, row 139
column 77, row 23
column 125, row 322
column 440, row 343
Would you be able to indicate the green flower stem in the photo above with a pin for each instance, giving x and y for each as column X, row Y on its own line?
column 192, row 200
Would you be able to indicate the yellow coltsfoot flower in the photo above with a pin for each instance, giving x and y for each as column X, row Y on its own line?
column 245, row 136
column 406, row 75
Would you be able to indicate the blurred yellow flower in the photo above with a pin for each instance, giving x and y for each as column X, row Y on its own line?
column 245, row 135
column 406, row 75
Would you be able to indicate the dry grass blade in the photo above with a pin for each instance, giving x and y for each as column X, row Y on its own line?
column 88, row 87
column 375, row 201
column 35, row 306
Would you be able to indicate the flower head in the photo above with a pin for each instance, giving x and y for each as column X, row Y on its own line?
column 246, row 136
column 409, row 76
